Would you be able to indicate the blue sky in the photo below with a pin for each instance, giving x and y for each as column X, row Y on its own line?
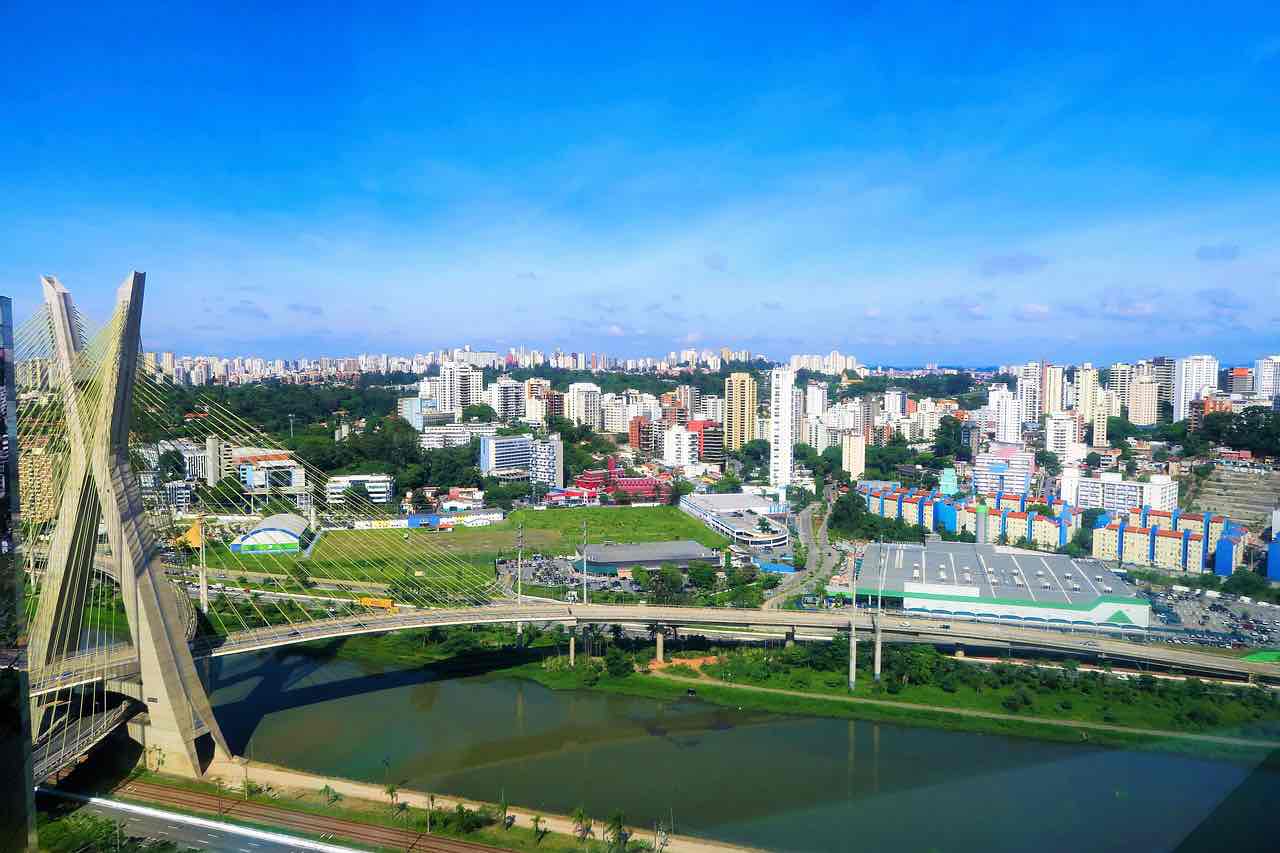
column 908, row 182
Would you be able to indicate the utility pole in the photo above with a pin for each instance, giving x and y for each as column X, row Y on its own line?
column 584, row 562
column 520, row 573
column 853, row 629
column 204, row 570
column 290, row 425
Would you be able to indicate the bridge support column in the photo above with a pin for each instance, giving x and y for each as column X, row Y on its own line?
column 661, row 637
column 853, row 654
column 876, row 673
column 573, row 647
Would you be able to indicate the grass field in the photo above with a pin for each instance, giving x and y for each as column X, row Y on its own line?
column 375, row 554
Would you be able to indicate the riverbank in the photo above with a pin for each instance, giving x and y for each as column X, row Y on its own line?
column 668, row 686
column 368, row 803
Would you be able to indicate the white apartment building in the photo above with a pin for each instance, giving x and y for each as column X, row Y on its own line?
column 1005, row 413
column 461, row 385
column 546, row 463
column 1029, row 392
column 815, row 399
column 582, row 404
column 712, row 408
column 1111, row 492
column 853, row 454
column 1061, row 430
column 1053, row 389
column 781, row 426
column 1003, row 469
column 679, row 447
column 506, row 398
column 1119, row 378
column 1192, row 377
column 1144, row 402
column 454, row 435
column 1266, row 376
column 1086, row 390
column 381, row 488
column 1103, row 401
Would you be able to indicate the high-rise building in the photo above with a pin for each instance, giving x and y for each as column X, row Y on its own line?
column 781, row 426
column 582, row 404
column 710, row 441
column 461, row 385
column 1266, row 376
column 167, row 363
column 1144, row 402
column 506, row 398
column 815, row 399
column 1162, row 369
column 546, row 462
column 1119, row 378
column 1101, row 411
column 1192, row 377
column 1240, row 381
column 1006, row 414
column 853, row 454
column 739, row 410
column 1052, row 386
column 1061, row 430
column 1086, row 390
column 679, row 447
column 1030, row 391
column 712, row 408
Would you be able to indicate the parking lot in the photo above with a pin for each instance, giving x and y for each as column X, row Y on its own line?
column 1223, row 622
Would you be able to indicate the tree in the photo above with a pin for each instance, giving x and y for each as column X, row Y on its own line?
column 479, row 412
column 393, row 793
column 330, row 795
column 581, row 823
column 702, row 576
column 617, row 663
column 1048, row 460
column 949, row 441
column 171, row 466
column 538, row 831
column 615, row 831
column 357, row 494
column 728, row 484
column 1093, row 460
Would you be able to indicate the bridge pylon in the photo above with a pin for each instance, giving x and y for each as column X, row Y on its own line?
column 101, row 489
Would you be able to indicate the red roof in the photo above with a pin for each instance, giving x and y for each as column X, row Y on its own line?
column 1145, row 531
column 1169, row 534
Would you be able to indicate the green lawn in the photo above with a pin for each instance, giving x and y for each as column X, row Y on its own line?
column 376, row 554
column 618, row 524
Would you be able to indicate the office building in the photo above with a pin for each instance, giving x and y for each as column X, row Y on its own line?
column 710, row 441
column 381, row 488
column 437, row 436
column 739, row 410
column 1144, row 403
column 781, row 426
column 504, row 453
column 1193, row 377
column 853, row 454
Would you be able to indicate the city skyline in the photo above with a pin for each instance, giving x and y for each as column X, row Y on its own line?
column 850, row 186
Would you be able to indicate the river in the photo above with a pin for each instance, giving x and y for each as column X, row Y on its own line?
column 764, row 780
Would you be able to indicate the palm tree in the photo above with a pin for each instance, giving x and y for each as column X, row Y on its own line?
column 581, row 823
column 431, row 806
column 536, row 820
column 402, row 811
column 615, row 831
column 330, row 795
column 392, row 793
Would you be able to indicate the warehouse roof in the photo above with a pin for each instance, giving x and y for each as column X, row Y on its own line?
column 678, row 551
column 286, row 521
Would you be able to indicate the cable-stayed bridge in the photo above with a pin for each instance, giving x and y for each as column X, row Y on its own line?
column 119, row 601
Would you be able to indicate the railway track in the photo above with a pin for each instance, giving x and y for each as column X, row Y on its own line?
column 308, row 824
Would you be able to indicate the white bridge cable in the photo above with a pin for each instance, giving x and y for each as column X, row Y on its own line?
column 230, row 424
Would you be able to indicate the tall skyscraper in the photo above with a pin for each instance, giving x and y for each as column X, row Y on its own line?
column 1051, row 389
column 781, row 425
column 1192, row 376
column 1119, row 378
column 1144, row 402
column 1162, row 368
column 1086, row 390
column 1030, row 391
column 1266, row 376
column 1006, row 414
column 739, row 410
column 461, row 385
column 853, row 454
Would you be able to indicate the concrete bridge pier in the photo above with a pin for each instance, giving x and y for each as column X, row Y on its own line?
column 661, row 636
column 573, row 647
column 853, row 655
column 876, row 673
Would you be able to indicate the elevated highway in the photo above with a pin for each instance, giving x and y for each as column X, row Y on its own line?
column 119, row 662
